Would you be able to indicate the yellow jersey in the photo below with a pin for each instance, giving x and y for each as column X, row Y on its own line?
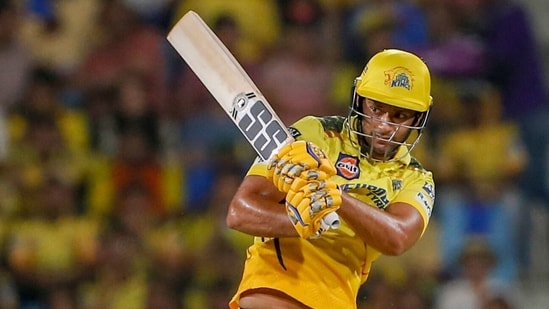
column 327, row 272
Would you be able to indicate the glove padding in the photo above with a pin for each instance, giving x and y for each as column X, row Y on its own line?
column 299, row 159
column 308, row 202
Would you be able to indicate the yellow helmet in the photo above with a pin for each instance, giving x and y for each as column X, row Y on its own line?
column 397, row 78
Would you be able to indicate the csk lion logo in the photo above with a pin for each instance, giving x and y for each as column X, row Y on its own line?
column 399, row 77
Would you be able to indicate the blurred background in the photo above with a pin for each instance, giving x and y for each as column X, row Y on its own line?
column 116, row 165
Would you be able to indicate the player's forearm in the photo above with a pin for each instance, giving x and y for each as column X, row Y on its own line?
column 256, row 215
column 392, row 233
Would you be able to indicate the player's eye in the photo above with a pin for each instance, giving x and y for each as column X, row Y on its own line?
column 374, row 109
column 406, row 115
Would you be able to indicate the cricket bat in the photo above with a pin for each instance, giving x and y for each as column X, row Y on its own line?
column 232, row 88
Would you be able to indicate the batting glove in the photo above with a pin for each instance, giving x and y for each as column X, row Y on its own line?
column 309, row 204
column 299, row 159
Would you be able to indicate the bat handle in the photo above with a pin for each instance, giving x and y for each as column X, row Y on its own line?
column 331, row 221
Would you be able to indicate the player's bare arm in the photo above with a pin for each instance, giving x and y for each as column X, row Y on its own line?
column 392, row 231
column 257, row 209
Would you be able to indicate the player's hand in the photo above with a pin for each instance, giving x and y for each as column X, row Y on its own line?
column 299, row 159
column 309, row 202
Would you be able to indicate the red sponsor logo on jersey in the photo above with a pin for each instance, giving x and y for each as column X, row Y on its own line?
column 347, row 166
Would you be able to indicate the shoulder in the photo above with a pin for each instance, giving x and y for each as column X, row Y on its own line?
column 416, row 174
column 323, row 131
column 416, row 165
column 317, row 125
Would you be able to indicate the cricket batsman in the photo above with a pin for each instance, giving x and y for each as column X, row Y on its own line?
column 359, row 166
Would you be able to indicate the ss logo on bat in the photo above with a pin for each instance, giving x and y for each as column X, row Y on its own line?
column 258, row 124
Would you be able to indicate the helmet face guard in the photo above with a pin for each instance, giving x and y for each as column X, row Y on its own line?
column 398, row 79
column 357, row 119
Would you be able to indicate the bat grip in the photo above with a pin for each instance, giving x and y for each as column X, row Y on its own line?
column 331, row 220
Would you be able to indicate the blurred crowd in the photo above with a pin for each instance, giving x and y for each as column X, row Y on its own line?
column 116, row 164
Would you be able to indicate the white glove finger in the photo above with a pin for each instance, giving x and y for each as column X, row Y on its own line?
column 284, row 183
column 292, row 170
column 315, row 175
column 316, row 185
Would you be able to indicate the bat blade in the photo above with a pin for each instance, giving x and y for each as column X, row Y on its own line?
column 232, row 88
column 229, row 84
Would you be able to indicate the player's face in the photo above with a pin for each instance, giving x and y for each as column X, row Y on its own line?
column 385, row 127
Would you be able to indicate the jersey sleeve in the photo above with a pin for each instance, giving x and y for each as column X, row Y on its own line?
column 310, row 129
column 420, row 193
column 259, row 168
